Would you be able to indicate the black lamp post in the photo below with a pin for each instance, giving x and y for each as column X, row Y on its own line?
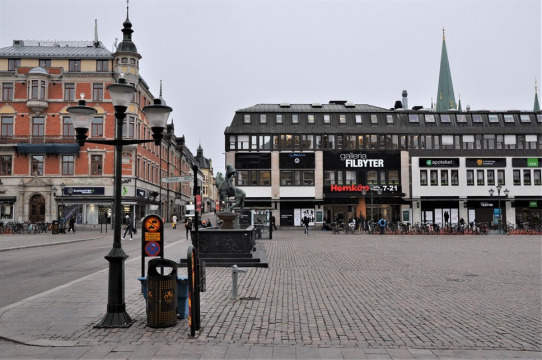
column 372, row 190
column 506, row 192
column 62, row 187
column 81, row 116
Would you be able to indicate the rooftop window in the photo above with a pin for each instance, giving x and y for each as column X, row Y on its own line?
column 509, row 118
column 413, row 118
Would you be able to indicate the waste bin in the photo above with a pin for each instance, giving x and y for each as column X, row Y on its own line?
column 182, row 294
column 54, row 227
column 62, row 225
column 161, row 293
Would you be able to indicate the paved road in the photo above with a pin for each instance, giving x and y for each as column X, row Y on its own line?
column 323, row 296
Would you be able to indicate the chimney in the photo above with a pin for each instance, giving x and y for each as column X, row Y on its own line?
column 405, row 100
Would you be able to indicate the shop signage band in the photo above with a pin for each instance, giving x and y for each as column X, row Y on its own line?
column 361, row 160
column 485, row 162
column 360, row 188
column 438, row 162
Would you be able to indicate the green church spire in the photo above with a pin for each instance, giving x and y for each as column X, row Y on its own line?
column 536, row 104
column 445, row 95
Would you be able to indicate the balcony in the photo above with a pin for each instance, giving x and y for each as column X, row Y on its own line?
column 44, row 139
column 37, row 106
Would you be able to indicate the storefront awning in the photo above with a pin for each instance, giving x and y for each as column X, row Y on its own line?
column 48, row 149
column 9, row 199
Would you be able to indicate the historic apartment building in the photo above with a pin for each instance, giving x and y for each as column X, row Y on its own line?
column 44, row 174
column 342, row 160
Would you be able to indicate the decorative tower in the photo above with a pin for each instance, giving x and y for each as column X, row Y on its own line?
column 536, row 104
column 126, row 57
column 445, row 95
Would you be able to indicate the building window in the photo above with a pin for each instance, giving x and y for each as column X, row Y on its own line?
column 67, row 127
column 455, row 177
column 242, row 177
column 470, row 177
column 500, row 177
column 69, row 91
column 468, row 142
column 286, row 142
column 38, row 126
column 329, row 177
column 327, row 119
column 423, row 177
column 517, row 177
column 128, row 130
column 361, row 142
column 372, row 177
column 510, row 141
column 358, row 119
column 404, row 143
column 263, row 119
column 307, row 142
column 340, row 142
column 527, row 177
column 413, row 118
column 37, row 165
column 6, row 126
column 350, row 142
column 297, row 178
column 75, row 65
column 45, row 63
column 98, row 92
column 461, row 118
column 530, row 142
column 329, row 141
column 434, row 177
column 242, row 142
column 68, row 164
column 491, row 177
column 508, row 118
column 430, row 118
column 97, row 127
column 525, row 118
column 278, row 119
column 480, row 180
column 373, row 142
column 374, row 119
column 264, row 178
column 444, row 177
column 493, row 118
column 389, row 119
column 7, row 91
column 34, row 90
column 295, row 118
column 5, row 165
column 310, row 119
column 102, row 65
column 537, row 178
column 445, row 118
column 476, row 118
column 13, row 64
column 340, row 178
column 342, row 119
column 96, row 165
column 254, row 142
column 350, row 178
column 264, row 142
column 246, row 119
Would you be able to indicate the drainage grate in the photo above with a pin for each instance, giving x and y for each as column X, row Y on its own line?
column 249, row 298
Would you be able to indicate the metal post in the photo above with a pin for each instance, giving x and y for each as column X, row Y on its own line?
column 116, row 315
column 500, row 211
column 234, row 271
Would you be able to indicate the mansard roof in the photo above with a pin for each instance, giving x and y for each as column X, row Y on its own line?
column 55, row 49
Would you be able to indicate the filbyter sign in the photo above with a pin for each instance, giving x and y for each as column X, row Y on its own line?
column 360, row 160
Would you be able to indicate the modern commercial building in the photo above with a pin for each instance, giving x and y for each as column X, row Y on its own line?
column 44, row 174
column 342, row 160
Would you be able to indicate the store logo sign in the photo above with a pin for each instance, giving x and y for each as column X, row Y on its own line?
column 360, row 160
column 341, row 188
column 532, row 162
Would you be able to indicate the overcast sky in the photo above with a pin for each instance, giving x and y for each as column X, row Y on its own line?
column 215, row 57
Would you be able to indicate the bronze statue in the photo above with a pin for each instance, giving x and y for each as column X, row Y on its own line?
column 227, row 189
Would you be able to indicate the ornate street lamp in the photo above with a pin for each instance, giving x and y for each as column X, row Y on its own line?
column 82, row 116
column 499, row 218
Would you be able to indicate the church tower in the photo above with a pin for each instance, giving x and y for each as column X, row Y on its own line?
column 445, row 95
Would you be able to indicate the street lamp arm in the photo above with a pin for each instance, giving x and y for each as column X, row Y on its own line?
column 118, row 142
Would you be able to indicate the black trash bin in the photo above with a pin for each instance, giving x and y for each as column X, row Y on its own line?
column 62, row 225
column 54, row 227
column 161, row 293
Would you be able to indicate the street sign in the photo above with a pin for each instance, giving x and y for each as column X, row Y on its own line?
column 173, row 179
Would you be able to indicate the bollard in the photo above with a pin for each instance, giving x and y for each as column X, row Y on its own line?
column 234, row 271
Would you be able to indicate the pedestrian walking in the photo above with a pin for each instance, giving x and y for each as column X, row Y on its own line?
column 128, row 228
column 382, row 224
column 188, row 226
column 306, row 224
column 71, row 224
column 174, row 221
column 273, row 222
column 446, row 217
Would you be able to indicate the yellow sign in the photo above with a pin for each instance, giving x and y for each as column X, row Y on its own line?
column 152, row 236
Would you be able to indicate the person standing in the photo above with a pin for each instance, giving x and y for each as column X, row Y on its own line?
column 446, row 217
column 382, row 224
column 174, row 221
column 273, row 222
column 72, row 224
column 306, row 224
column 188, row 226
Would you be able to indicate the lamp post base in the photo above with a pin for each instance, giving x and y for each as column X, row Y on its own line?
column 115, row 320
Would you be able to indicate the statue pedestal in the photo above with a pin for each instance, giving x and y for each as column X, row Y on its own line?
column 228, row 218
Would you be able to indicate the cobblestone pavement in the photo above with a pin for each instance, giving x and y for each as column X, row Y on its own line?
column 351, row 296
